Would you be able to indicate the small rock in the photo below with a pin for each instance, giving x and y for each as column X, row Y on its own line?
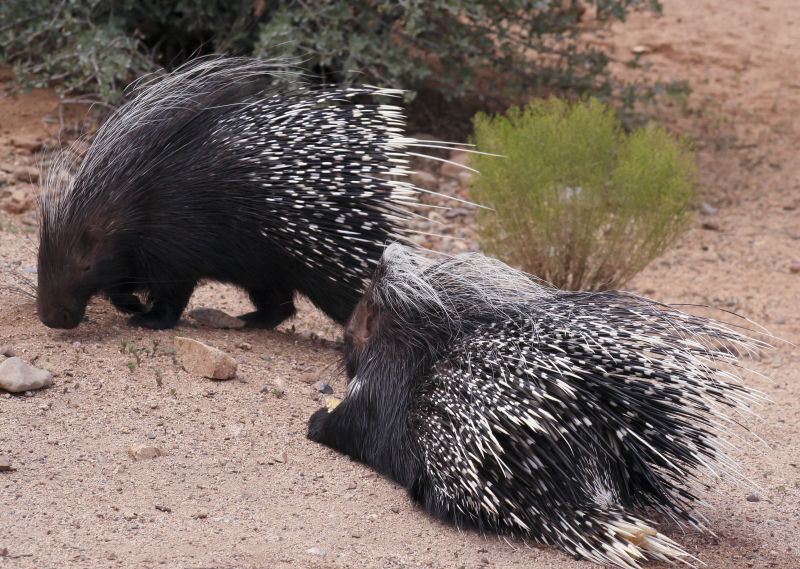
column 753, row 498
column 27, row 174
column 425, row 180
column 309, row 335
column 710, row 225
column 454, row 212
column 640, row 49
column 244, row 346
column 163, row 508
column 17, row 376
column 395, row 509
column 142, row 451
column 129, row 515
column 454, row 168
column 7, row 351
column 794, row 268
column 30, row 144
column 21, row 199
column 323, row 387
column 5, row 463
column 316, row 551
column 200, row 515
column 708, row 209
column 200, row 359
column 216, row 318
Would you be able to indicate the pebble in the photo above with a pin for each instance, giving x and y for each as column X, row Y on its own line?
column 316, row 551
column 753, row 498
column 200, row 359
column 423, row 179
column 459, row 159
column 708, row 209
column 5, row 463
column 27, row 174
column 323, row 387
column 454, row 212
column 794, row 268
column 710, row 225
column 20, row 200
column 7, row 351
column 309, row 335
column 200, row 515
column 216, row 318
column 142, row 451
column 28, row 143
column 17, row 376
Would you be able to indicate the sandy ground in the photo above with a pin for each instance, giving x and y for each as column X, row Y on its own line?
column 240, row 486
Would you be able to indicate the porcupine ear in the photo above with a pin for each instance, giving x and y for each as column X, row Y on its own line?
column 361, row 325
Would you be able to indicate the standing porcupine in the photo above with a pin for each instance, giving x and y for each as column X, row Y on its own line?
column 217, row 171
column 511, row 407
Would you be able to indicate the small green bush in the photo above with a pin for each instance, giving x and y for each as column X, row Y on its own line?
column 577, row 201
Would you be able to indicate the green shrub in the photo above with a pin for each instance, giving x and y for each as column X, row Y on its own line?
column 577, row 201
column 453, row 46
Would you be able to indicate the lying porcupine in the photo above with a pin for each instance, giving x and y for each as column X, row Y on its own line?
column 511, row 407
column 218, row 171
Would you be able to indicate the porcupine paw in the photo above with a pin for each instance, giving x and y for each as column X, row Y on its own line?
column 147, row 320
column 316, row 424
column 268, row 318
column 159, row 317
column 128, row 303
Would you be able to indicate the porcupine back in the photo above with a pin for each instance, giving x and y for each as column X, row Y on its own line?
column 512, row 407
column 227, row 170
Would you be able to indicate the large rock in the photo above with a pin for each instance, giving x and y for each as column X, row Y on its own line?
column 17, row 376
column 199, row 359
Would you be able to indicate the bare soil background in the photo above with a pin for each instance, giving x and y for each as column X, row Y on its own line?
column 239, row 485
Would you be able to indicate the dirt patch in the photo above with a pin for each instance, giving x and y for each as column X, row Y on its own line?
column 238, row 484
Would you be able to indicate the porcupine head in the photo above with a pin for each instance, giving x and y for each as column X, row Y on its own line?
column 72, row 266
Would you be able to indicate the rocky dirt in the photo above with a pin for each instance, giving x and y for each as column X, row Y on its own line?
column 127, row 460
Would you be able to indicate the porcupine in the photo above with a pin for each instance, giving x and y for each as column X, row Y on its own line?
column 508, row 406
column 218, row 171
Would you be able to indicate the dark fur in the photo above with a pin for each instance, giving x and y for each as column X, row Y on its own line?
column 167, row 204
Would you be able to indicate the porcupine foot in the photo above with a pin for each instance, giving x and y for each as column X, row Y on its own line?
column 165, row 310
column 272, row 308
column 125, row 301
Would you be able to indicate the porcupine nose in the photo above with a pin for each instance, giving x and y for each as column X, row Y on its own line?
column 61, row 319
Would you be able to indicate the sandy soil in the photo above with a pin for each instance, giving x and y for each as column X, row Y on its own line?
column 239, row 484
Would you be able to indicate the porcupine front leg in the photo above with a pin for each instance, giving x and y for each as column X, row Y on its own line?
column 123, row 299
column 166, row 306
column 340, row 429
column 273, row 306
